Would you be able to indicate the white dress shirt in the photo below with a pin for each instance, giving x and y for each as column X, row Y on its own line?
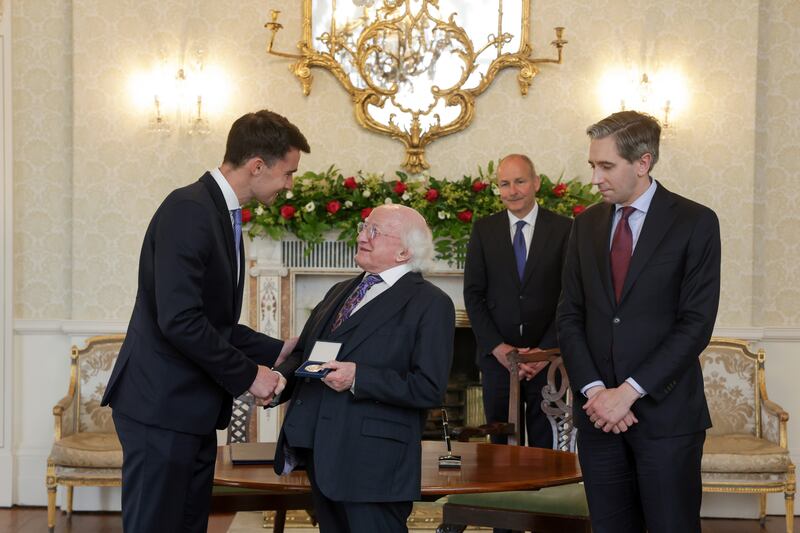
column 527, row 229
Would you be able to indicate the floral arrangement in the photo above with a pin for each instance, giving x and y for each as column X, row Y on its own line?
column 325, row 201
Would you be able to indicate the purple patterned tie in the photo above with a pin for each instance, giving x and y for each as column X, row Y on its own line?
column 352, row 300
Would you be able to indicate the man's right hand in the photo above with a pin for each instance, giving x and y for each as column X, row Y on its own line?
column 500, row 353
column 267, row 384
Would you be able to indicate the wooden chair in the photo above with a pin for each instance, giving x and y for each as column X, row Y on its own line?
column 86, row 450
column 551, row 510
column 746, row 450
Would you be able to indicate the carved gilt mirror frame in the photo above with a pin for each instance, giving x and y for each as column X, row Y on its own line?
column 411, row 66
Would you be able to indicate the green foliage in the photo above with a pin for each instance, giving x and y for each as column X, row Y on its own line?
column 323, row 201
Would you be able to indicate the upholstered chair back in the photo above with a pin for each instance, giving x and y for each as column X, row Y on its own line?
column 731, row 374
column 91, row 367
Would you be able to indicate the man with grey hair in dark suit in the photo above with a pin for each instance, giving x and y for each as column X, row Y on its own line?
column 387, row 335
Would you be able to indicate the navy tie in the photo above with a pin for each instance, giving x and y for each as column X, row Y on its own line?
column 237, row 229
column 520, row 251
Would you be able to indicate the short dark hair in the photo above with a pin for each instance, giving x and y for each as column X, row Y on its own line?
column 635, row 134
column 262, row 134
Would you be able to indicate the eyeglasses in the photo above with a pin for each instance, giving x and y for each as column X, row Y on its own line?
column 372, row 231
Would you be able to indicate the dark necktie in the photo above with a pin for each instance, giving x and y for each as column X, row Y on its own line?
column 621, row 250
column 520, row 252
column 352, row 300
column 237, row 230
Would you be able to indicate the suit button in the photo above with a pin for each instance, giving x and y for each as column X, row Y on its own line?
column 521, row 296
column 616, row 320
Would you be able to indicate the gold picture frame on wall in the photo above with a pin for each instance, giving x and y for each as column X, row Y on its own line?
column 412, row 67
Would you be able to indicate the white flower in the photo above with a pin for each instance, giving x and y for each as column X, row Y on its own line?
column 365, row 193
column 348, row 203
column 309, row 207
column 259, row 210
column 289, row 195
column 406, row 196
column 495, row 190
column 387, row 201
column 443, row 215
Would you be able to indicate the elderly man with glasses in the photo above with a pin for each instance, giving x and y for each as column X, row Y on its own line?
column 373, row 357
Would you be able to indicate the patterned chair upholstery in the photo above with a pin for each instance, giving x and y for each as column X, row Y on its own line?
column 746, row 451
column 86, row 451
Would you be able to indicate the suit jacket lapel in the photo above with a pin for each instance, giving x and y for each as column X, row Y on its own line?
column 601, row 238
column 660, row 216
column 224, row 217
column 331, row 304
column 388, row 304
column 541, row 234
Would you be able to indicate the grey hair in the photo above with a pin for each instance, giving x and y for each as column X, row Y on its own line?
column 419, row 243
column 635, row 134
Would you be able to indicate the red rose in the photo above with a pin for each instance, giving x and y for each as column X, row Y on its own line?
column 365, row 212
column 465, row 216
column 578, row 209
column 246, row 215
column 559, row 190
column 399, row 188
column 432, row 195
column 350, row 183
column 333, row 206
column 287, row 211
column 478, row 186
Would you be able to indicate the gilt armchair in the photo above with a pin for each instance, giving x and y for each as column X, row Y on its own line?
column 746, row 450
column 86, row 451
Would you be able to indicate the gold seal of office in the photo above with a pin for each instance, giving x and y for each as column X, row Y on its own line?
column 314, row 368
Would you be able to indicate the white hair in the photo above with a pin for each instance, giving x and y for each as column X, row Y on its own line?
column 419, row 243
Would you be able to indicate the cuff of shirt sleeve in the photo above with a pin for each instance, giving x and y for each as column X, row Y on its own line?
column 636, row 386
column 597, row 383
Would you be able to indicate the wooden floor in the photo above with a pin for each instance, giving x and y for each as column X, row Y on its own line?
column 34, row 520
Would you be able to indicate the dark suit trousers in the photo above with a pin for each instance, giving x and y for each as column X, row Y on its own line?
column 167, row 477
column 495, row 381
column 354, row 517
column 635, row 483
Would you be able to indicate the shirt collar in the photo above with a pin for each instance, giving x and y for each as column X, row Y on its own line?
column 643, row 202
column 530, row 218
column 227, row 191
column 391, row 275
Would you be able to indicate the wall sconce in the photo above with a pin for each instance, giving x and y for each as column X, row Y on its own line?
column 661, row 94
column 176, row 94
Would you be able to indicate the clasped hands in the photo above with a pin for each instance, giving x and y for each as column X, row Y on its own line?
column 610, row 409
column 268, row 383
column 527, row 371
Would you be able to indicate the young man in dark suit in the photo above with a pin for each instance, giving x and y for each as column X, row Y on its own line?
column 512, row 281
column 640, row 296
column 389, row 336
column 185, row 355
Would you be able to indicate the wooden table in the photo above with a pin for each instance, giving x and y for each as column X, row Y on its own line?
column 485, row 468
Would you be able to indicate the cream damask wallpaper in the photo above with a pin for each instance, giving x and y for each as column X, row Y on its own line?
column 88, row 175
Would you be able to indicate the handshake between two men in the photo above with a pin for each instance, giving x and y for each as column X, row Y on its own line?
column 269, row 383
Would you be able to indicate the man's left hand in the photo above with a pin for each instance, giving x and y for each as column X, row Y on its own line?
column 609, row 406
column 341, row 376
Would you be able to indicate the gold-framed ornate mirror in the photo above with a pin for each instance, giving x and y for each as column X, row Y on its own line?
column 415, row 67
